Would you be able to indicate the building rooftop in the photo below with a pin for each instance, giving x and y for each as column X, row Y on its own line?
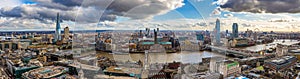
column 282, row 60
column 285, row 58
column 232, row 64
column 150, row 43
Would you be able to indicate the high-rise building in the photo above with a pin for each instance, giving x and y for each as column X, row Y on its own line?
column 217, row 33
column 57, row 29
column 249, row 33
column 235, row 30
column 200, row 37
column 227, row 33
column 155, row 37
column 66, row 33
column 99, row 35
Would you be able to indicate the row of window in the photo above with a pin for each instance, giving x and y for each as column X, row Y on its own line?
column 148, row 47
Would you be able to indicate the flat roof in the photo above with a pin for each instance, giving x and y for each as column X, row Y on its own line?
column 282, row 60
column 232, row 64
column 147, row 43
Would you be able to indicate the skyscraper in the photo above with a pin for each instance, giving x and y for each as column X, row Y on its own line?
column 99, row 35
column 227, row 33
column 235, row 30
column 217, row 33
column 66, row 33
column 155, row 37
column 57, row 29
column 200, row 36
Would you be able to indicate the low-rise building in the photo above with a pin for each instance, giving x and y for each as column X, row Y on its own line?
column 279, row 64
column 230, row 68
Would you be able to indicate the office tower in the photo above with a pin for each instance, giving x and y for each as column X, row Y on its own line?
column 235, row 30
column 66, row 33
column 147, row 32
column 215, row 63
column 155, row 37
column 255, row 36
column 57, row 29
column 212, row 36
column 249, row 33
column 141, row 34
column 99, row 35
column 217, row 33
column 227, row 33
column 200, row 37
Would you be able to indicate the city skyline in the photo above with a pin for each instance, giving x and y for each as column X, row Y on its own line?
column 172, row 15
column 150, row 39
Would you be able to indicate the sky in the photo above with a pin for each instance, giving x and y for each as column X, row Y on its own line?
column 266, row 15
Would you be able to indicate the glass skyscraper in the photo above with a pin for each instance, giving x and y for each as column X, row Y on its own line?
column 217, row 32
column 57, row 29
column 235, row 30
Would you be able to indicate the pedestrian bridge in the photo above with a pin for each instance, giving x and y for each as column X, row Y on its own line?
column 227, row 51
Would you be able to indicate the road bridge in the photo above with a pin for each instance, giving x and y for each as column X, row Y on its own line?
column 227, row 51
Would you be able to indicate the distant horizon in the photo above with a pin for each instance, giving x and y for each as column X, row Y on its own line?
column 48, row 30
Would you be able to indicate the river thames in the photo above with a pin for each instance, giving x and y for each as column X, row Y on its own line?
column 183, row 56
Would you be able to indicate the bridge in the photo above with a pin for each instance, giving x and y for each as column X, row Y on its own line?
column 84, row 66
column 294, row 36
column 226, row 51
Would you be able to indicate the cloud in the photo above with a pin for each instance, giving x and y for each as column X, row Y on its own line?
column 216, row 11
column 228, row 15
column 7, row 3
column 176, row 24
column 262, row 6
column 90, row 11
column 198, row 0
column 220, row 2
column 196, row 24
column 22, row 24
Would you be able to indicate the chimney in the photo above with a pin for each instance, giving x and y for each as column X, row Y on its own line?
column 155, row 37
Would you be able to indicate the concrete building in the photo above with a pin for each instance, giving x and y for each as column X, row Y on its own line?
column 6, row 45
column 66, row 33
column 230, row 68
column 14, row 45
column 146, row 45
column 249, row 33
column 281, row 63
column 215, row 63
column 239, row 42
column 281, row 50
column 212, row 36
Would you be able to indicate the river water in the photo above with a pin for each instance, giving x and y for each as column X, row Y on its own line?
column 183, row 56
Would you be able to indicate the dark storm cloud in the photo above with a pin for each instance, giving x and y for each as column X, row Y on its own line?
column 91, row 10
column 16, row 12
column 69, row 3
column 259, row 6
